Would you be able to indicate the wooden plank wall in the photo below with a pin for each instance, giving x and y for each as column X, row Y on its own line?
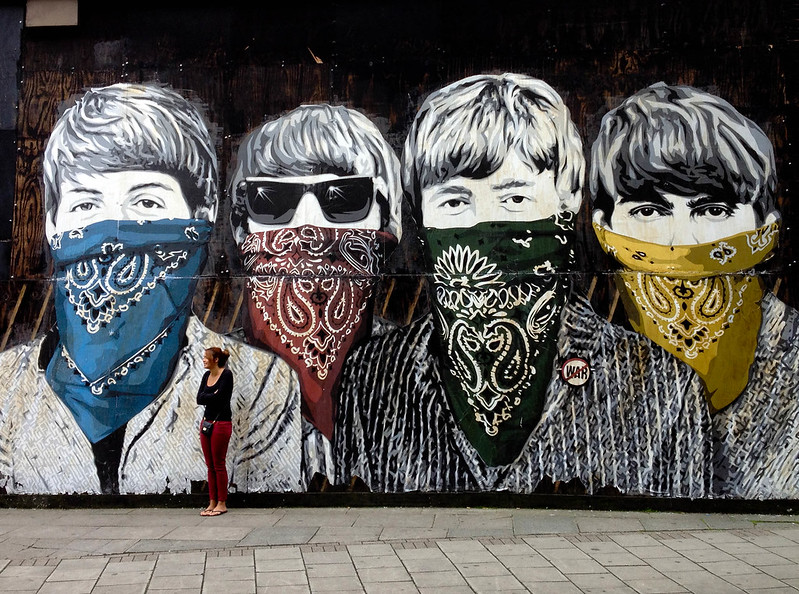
column 250, row 64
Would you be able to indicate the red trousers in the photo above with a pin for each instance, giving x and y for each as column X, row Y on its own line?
column 215, row 452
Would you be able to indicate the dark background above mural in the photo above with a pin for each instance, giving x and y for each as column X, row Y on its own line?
column 252, row 63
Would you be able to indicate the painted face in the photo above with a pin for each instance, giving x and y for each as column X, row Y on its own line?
column 682, row 220
column 513, row 192
column 120, row 195
column 326, row 200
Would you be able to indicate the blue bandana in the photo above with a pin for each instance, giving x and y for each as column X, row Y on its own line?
column 123, row 299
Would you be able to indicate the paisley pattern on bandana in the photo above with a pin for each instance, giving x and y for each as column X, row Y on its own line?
column 115, row 355
column 310, row 295
column 498, row 298
column 700, row 308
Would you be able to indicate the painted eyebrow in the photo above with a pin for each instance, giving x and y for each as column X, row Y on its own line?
column 655, row 199
column 82, row 190
column 513, row 183
column 453, row 190
column 709, row 200
column 148, row 185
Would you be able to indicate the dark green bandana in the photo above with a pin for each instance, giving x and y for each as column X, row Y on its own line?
column 498, row 296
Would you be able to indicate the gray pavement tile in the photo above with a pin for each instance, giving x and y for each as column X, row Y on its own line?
column 426, row 553
column 120, row 589
column 390, row 587
column 482, row 569
column 346, row 534
column 279, row 535
column 282, row 578
column 229, row 586
column 383, row 574
column 709, row 555
column 782, row 572
column 550, row 587
column 617, row 559
column 609, row 525
column 782, row 590
column 127, row 578
column 47, row 531
column 335, row 584
column 479, row 532
column 662, row 585
column 716, row 537
column 182, row 557
column 71, row 587
column 330, row 570
column 429, row 564
column 754, row 581
column 668, row 521
column 570, row 553
column 208, row 532
column 28, row 571
column 177, row 569
column 396, row 518
column 631, row 539
column 540, row 543
column 604, row 582
column 12, row 584
column 523, row 526
column 311, row 517
column 129, row 567
column 600, row 547
column 529, row 575
column 375, row 562
column 654, row 552
column 521, row 561
column 458, row 557
column 791, row 553
column 768, row 540
column 689, row 543
column 126, row 532
column 702, row 582
column 431, row 579
column 77, row 573
column 509, row 550
column 219, row 574
column 318, row 557
column 762, row 559
column 167, row 545
column 576, row 566
column 410, row 533
column 245, row 560
column 284, row 590
column 464, row 589
column 494, row 583
column 113, row 547
column 175, row 582
column 276, row 553
column 635, row 573
column 3, row 563
column 370, row 550
column 669, row 565
column 727, row 522
column 791, row 533
column 725, row 568
column 278, row 565
column 739, row 548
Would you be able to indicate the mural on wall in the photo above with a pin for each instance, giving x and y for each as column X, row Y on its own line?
column 683, row 190
column 423, row 284
column 316, row 210
column 471, row 396
column 130, row 197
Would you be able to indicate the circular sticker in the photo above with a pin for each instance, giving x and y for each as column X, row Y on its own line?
column 575, row 371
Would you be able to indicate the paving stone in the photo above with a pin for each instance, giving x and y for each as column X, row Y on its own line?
column 782, row 572
column 278, row 536
column 482, row 569
column 177, row 569
column 429, row 564
column 3, row 563
column 319, row 557
column 753, row 581
column 539, row 574
column 281, row 578
column 688, row 544
column 124, row 578
column 430, row 553
column 654, row 552
column 661, row 585
column 277, row 554
column 430, row 579
column 410, row 533
column 550, row 587
column 509, row 550
column 599, row 582
column 476, row 556
column 577, row 566
column 609, row 525
column 383, row 574
column 335, row 584
column 531, row 560
column 232, row 561
column 616, row 559
column 669, row 565
column 702, row 582
column 668, row 521
column 27, row 571
column 725, row 568
column 78, row 570
column 69, row 587
column 384, row 561
column 764, row 559
column 522, row 526
column 284, row 590
column 219, row 574
column 635, row 573
column 174, row 582
column 494, row 583
column 570, row 553
column 540, row 543
column 186, row 557
column 370, row 550
column 13, row 584
column 128, row 567
column 632, row 539
column 390, row 587
column 346, row 534
column 590, row 548
column 229, row 586
column 330, row 570
column 140, row 588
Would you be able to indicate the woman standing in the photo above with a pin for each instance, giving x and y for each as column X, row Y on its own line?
column 216, row 389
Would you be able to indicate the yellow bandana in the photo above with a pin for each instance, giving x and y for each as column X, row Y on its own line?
column 695, row 302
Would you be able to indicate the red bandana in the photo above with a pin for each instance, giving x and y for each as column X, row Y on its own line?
column 310, row 300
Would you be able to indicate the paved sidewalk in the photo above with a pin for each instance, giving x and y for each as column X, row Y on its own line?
column 395, row 550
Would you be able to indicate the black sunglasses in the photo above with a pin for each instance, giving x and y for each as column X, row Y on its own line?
column 272, row 201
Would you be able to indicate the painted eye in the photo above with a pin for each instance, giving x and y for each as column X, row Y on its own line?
column 83, row 207
column 647, row 212
column 146, row 203
column 453, row 203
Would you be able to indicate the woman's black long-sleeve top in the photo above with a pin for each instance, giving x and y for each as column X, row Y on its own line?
column 216, row 398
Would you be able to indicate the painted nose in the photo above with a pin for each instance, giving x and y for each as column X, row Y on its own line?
column 683, row 234
column 309, row 212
